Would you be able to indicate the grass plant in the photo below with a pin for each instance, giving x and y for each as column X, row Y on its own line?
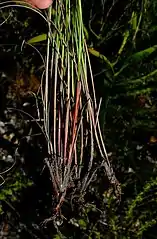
column 70, row 108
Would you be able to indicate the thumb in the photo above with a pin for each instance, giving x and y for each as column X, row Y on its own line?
column 41, row 4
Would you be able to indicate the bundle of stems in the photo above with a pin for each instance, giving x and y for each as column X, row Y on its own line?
column 71, row 111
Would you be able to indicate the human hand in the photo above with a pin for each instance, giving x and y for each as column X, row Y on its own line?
column 41, row 4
